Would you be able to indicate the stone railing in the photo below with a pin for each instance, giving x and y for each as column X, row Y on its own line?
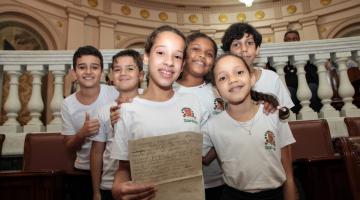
column 37, row 64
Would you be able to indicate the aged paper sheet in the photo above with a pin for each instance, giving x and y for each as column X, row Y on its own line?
column 172, row 162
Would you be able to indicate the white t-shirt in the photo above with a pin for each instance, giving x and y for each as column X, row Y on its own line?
column 212, row 172
column 270, row 82
column 251, row 161
column 73, row 117
column 105, row 134
column 143, row 118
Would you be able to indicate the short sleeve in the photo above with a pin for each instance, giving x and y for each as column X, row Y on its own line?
column 285, row 135
column 67, row 126
column 283, row 94
column 207, row 143
column 105, row 125
column 119, row 148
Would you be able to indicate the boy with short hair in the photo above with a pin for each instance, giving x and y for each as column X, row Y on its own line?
column 126, row 70
column 78, row 111
column 244, row 40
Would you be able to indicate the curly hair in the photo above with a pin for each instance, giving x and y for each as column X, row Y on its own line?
column 236, row 31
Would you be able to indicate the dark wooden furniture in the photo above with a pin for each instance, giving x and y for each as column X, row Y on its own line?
column 321, row 173
column 47, row 174
column 349, row 148
column 353, row 125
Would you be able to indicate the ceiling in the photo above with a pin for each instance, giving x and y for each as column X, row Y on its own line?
column 198, row 3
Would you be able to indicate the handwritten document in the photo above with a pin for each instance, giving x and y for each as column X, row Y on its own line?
column 172, row 162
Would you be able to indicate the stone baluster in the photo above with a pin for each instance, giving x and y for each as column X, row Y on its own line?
column 324, row 90
column 12, row 105
column 279, row 64
column 346, row 90
column 56, row 103
column 303, row 92
column 261, row 62
column 35, row 105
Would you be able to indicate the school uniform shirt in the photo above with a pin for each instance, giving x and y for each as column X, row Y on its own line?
column 106, row 134
column 270, row 83
column 212, row 172
column 73, row 118
column 249, row 152
column 144, row 118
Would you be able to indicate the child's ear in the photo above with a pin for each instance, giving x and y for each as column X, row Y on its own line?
column 73, row 74
column 257, row 51
column 146, row 59
column 141, row 76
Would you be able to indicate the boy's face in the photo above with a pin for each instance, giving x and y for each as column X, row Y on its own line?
column 245, row 48
column 291, row 37
column 87, row 71
column 126, row 74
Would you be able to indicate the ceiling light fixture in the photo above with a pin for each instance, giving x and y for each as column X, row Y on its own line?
column 248, row 3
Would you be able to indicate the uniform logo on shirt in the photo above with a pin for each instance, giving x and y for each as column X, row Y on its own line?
column 219, row 105
column 270, row 140
column 188, row 115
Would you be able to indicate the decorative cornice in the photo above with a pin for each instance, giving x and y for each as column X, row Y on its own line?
column 76, row 13
column 107, row 21
column 280, row 26
column 308, row 20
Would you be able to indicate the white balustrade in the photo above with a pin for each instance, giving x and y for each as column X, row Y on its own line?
column 11, row 61
column 35, row 104
column 303, row 92
column 324, row 92
column 279, row 64
column 12, row 105
column 346, row 90
column 56, row 103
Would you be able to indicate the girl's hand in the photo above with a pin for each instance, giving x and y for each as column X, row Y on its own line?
column 268, row 107
column 134, row 191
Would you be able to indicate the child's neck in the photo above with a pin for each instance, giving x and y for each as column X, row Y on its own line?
column 244, row 111
column 257, row 72
column 129, row 94
column 88, row 96
column 190, row 81
column 154, row 93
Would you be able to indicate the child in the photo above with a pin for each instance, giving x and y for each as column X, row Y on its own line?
column 127, row 74
column 244, row 40
column 78, row 111
column 157, row 111
column 253, row 148
column 195, row 79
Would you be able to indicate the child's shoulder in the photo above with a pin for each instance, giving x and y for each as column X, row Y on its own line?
column 268, row 73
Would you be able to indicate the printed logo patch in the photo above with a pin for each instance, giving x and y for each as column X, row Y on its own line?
column 188, row 115
column 219, row 106
column 270, row 140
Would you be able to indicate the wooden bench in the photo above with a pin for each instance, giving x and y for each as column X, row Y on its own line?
column 349, row 147
column 353, row 125
column 321, row 173
column 47, row 173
